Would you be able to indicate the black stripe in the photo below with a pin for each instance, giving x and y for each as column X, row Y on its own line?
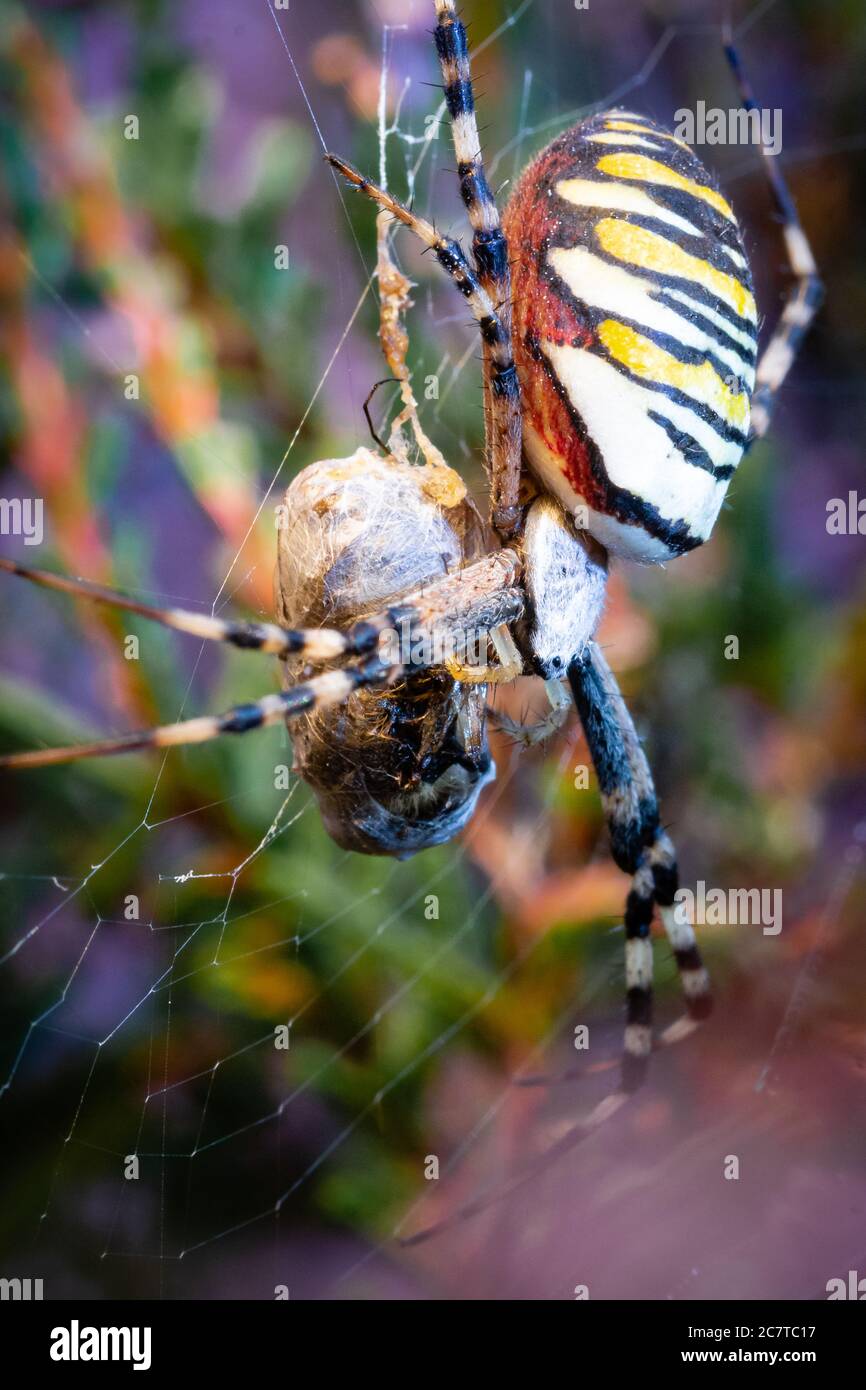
column 793, row 335
column 474, row 188
column 638, row 914
column 294, row 701
column 689, row 958
column 458, row 98
column 492, row 332
column 706, row 240
column 713, row 225
column 370, row 672
column 699, row 1006
column 451, row 258
column 491, row 254
column 240, row 719
column 815, row 293
column 295, row 641
column 362, row 637
column 249, row 636
column 402, row 613
column 667, row 880
column 691, row 450
column 706, row 299
column 600, row 725
column 639, row 1005
column 749, row 354
column 505, row 382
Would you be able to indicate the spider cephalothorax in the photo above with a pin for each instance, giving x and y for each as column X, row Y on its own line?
column 635, row 385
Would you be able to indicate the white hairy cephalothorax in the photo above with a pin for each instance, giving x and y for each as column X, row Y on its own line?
column 565, row 576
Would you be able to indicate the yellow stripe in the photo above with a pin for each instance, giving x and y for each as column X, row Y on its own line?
column 702, row 383
column 638, row 166
column 616, row 124
column 646, row 249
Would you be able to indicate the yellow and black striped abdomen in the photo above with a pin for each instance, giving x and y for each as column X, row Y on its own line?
column 635, row 332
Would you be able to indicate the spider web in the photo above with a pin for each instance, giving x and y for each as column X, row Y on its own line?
column 209, row 1193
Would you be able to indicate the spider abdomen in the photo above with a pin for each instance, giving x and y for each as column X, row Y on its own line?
column 635, row 333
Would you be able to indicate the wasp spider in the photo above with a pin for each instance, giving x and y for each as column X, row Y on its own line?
column 621, row 373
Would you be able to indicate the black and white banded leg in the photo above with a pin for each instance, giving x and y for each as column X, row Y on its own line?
column 679, row 930
column 503, row 421
column 496, row 337
column 639, row 847
column 333, row 687
column 482, row 595
column 317, row 644
column 805, row 296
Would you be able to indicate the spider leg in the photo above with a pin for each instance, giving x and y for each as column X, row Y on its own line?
column 482, row 595
column 494, row 335
column 678, row 929
column 503, row 421
column 318, row 644
column 507, row 668
column 449, row 598
column 366, row 409
column 639, row 848
column 528, row 735
column 331, row 688
column 806, row 295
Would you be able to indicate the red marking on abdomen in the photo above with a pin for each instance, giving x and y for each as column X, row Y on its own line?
column 534, row 220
